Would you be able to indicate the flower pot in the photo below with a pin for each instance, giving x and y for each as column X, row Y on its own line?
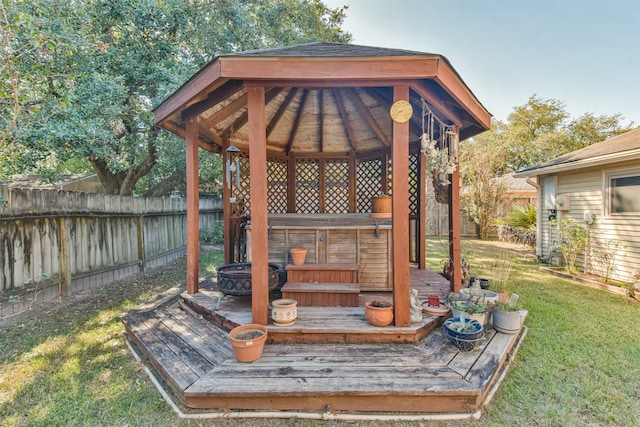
column 489, row 296
column 248, row 341
column 298, row 255
column 284, row 311
column 382, row 204
column 465, row 335
column 378, row 313
column 507, row 322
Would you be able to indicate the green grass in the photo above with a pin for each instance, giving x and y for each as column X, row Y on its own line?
column 579, row 364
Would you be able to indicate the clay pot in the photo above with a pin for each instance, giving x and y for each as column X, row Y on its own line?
column 298, row 255
column 248, row 341
column 284, row 311
column 378, row 313
column 382, row 204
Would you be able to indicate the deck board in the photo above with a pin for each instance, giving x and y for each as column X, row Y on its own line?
column 195, row 359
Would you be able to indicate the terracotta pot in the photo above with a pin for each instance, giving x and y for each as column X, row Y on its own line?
column 248, row 341
column 298, row 255
column 284, row 311
column 382, row 204
column 378, row 316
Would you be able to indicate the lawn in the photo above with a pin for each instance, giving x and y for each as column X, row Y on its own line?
column 579, row 365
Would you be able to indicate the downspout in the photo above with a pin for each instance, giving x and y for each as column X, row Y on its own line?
column 538, row 215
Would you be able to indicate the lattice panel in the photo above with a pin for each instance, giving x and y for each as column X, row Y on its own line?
column 336, row 181
column 242, row 193
column 277, row 185
column 413, row 184
column 368, row 183
column 308, row 186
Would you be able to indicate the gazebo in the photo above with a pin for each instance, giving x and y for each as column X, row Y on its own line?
column 310, row 134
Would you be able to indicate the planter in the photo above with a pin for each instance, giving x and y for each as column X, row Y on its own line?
column 284, row 311
column 382, row 204
column 489, row 296
column 248, row 341
column 459, row 310
column 298, row 255
column 378, row 313
column 507, row 322
column 484, row 283
column 235, row 279
column 464, row 334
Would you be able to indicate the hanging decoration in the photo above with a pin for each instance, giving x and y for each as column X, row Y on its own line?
column 232, row 163
column 438, row 150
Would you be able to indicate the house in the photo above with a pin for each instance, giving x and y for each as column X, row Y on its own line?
column 597, row 186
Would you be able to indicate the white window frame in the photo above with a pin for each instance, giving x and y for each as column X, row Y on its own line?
column 608, row 177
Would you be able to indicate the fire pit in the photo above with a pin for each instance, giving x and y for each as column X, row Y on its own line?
column 235, row 279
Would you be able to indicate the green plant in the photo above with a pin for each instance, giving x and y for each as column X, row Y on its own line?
column 573, row 240
column 211, row 236
column 603, row 256
column 520, row 226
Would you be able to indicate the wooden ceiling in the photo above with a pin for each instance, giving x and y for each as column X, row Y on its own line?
column 321, row 98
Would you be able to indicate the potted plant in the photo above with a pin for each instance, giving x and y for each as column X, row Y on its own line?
column 464, row 333
column 378, row 313
column 284, row 311
column 507, row 316
column 470, row 306
column 248, row 341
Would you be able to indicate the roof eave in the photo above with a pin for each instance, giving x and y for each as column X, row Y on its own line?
column 585, row 163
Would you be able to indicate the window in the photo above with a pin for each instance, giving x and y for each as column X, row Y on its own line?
column 623, row 193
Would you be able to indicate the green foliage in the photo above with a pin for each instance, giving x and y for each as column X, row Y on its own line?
column 520, row 225
column 573, row 240
column 481, row 160
column 90, row 73
column 212, row 235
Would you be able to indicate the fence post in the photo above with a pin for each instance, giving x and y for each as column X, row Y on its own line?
column 140, row 243
column 65, row 258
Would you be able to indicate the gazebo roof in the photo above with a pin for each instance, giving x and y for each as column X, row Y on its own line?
column 321, row 98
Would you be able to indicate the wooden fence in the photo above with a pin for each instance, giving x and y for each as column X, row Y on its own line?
column 56, row 243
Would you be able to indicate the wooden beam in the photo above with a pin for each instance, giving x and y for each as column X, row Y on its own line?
column 220, row 94
column 193, row 209
column 296, row 122
column 281, row 110
column 227, row 111
column 333, row 69
column 243, row 119
column 368, row 117
column 445, row 112
column 400, row 215
column 321, row 120
column 351, row 135
column 455, row 251
column 259, row 222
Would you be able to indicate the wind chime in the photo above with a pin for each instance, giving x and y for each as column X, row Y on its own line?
column 438, row 151
column 232, row 154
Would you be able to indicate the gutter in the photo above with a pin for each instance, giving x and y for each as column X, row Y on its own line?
column 578, row 164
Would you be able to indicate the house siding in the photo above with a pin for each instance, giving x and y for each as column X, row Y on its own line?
column 585, row 189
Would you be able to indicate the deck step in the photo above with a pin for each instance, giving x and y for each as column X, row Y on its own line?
column 328, row 273
column 323, row 294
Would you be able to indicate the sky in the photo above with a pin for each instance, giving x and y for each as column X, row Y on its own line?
column 584, row 53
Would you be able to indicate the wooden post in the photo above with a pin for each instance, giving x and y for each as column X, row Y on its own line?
column 65, row 258
column 140, row 232
column 455, row 252
column 400, row 215
column 421, row 238
column 259, row 220
column 193, row 231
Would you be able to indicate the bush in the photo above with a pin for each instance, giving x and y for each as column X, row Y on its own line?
column 520, row 227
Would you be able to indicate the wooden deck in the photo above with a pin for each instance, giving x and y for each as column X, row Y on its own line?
column 193, row 356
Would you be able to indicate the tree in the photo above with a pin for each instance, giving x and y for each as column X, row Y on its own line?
column 121, row 58
column 541, row 130
column 481, row 159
